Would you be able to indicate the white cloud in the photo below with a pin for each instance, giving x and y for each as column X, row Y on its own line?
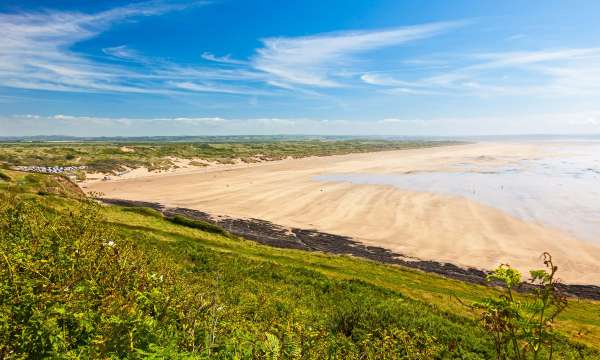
column 383, row 80
column 309, row 60
column 408, row 91
column 35, row 53
column 124, row 52
column 398, row 87
column 516, row 37
column 583, row 122
column 505, row 59
column 275, row 122
column 190, row 120
column 391, row 120
column 563, row 72
column 217, row 88
column 222, row 59
column 415, row 123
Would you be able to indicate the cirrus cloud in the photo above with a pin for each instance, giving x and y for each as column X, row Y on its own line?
column 309, row 60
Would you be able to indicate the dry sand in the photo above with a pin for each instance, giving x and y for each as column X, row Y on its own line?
column 424, row 225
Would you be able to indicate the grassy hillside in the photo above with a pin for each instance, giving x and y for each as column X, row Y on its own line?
column 84, row 280
column 112, row 156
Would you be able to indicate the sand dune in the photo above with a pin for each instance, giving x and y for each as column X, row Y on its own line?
column 419, row 224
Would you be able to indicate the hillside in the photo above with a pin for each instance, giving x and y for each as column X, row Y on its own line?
column 93, row 281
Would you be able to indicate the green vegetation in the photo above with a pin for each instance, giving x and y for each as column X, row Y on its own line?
column 198, row 224
column 40, row 184
column 81, row 280
column 523, row 329
column 144, row 211
column 178, row 219
column 112, row 157
column 4, row 177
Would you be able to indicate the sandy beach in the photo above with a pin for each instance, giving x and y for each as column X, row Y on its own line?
column 421, row 224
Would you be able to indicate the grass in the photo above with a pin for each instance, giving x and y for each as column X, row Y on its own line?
column 113, row 157
column 198, row 224
column 179, row 220
column 179, row 291
column 581, row 320
column 4, row 177
column 146, row 211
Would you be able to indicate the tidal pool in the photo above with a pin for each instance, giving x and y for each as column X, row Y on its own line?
column 561, row 191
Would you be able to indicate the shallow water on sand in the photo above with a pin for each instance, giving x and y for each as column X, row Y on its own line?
column 561, row 190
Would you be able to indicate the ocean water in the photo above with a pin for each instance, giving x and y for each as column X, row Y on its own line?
column 561, row 191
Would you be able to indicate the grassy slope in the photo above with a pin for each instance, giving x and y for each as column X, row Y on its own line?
column 269, row 290
column 582, row 316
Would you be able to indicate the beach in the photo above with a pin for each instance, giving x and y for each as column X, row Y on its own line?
column 428, row 223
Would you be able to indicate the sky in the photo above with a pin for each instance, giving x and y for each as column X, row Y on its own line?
column 336, row 67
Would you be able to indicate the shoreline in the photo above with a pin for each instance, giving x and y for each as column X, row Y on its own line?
column 423, row 225
column 267, row 233
column 185, row 167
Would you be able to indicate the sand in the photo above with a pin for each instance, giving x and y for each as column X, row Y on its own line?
column 418, row 224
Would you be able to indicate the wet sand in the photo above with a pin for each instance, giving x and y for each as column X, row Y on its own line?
column 429, row 226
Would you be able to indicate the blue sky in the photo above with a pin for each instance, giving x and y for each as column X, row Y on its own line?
column 299, row 67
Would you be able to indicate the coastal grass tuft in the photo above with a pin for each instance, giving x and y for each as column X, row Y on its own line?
column 146, row 211
column 198, row 224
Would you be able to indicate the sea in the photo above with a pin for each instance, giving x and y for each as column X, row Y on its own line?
column 560, row 190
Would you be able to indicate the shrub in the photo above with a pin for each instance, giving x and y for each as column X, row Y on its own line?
column 522, row 328
column 5, row 177
column 198, row 224
column 146, row 211
column 70, row 285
